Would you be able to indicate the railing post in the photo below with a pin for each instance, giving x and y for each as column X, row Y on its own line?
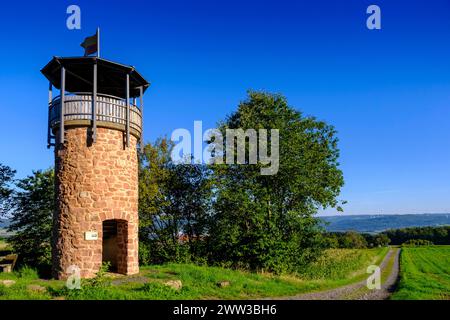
column 141, row 103
column 61, row 119
column 94, row 104
column 128, row 111
column 50, row 98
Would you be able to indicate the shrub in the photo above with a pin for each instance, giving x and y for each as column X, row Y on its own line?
column 417, row 243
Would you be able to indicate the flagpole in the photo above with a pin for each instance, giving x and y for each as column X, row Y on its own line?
column 98, row 42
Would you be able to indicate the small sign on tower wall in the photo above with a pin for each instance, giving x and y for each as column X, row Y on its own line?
column 91, row 235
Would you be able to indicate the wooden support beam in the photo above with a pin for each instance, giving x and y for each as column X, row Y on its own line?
column 79, row 77
column 61, row 119
column 94, row 105
column 128, row 111
column 141, row 104
column 50, row 99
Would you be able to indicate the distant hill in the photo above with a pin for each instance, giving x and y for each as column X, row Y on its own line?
column 360, row 223
column 3, row 226
column 379, row 223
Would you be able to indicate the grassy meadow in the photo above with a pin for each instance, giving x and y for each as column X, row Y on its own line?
column 424, row 273
column 337, row 267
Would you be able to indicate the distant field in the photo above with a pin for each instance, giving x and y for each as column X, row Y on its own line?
column 338, row 267
column 424, row 273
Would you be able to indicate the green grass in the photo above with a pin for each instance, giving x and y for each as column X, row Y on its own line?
column 337, row 267
column 341, row 264
column 424, row 273
column 19, row 291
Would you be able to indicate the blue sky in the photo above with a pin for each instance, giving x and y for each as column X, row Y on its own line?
column 386, row 91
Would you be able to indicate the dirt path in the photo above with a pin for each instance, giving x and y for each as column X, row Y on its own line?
column 359, row 291
column 389, row 285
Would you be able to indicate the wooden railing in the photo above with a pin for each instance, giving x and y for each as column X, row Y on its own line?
column 109, row 109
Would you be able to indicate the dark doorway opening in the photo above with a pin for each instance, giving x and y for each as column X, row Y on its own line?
column 110, row 246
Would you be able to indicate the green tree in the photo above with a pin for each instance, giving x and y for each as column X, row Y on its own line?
column 267, row 221
column 331, row 240
column 437, row 235
column 189, row 194
column 380, row 240
column 31, row 219
column 6, row 178
column 352, row 240
column 153, row 175
column 173, row 206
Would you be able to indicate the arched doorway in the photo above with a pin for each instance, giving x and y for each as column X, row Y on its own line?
column 115, row 234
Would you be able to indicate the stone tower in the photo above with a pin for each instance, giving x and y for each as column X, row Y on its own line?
column 95, row 126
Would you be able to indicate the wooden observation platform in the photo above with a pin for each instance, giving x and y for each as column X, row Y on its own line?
column 94, row 92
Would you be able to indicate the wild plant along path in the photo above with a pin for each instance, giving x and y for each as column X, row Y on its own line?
column 359, row 291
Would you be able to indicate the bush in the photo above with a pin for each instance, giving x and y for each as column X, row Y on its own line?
column 417, row 243
column 377, row 240
column 28, row 273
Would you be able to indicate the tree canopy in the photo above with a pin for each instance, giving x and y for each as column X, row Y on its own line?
column 31, row 222
column 6, row 179
column 267, row 221
column 174, row 203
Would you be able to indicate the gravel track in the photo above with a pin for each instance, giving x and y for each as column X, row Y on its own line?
column 358, row 291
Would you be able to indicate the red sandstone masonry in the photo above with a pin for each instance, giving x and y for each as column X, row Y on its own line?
column 93, row 184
